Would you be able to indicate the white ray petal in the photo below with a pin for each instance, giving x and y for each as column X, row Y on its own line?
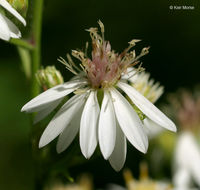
column 147, row 107
column 9, row 8
column 118, row 156
column 41, row 101
column 107, row 126
column 129, row 122
column 88, row 126
column 70, row 131
column 13, row 30
column 4, row 30
column 43, row 113
column 61, row 119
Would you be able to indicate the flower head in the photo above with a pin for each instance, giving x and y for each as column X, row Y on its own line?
column 7, row 28
column 98, row 110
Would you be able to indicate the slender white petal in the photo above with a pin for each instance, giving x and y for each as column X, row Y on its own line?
column 70, row 131
column 9, row 8
column 152, row 129
column 61, row 119
column 147, row 107
column 4, row 30
column 43, row 113
column 13, row 30
column 88, row 125
column 129, row 122
column 118, row 156
column 107, row 126
column 42, row 101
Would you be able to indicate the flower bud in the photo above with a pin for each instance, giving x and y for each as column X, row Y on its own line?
column 49, row 77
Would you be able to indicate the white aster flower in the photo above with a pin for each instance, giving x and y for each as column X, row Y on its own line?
column 7, row 28
column 187, row 161
column 98, row 111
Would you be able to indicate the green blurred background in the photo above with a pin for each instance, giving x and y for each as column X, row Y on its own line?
column 174, row 38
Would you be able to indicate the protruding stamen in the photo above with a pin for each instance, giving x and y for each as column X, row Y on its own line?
column 133, row 42
column 68, row 66
column 102, row 28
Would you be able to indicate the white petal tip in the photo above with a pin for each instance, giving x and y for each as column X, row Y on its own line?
column 24, row 23
column 143, row 147
column 116, row 168
column 42, row 143
column 40, row 146
column 173, row 128
column 23, row 109
column 86, row 155
column 106, row 156
column 145, row 151
column 59, row 150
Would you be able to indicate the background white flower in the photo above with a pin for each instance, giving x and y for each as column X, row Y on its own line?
column 7, row 28
column 187, row 161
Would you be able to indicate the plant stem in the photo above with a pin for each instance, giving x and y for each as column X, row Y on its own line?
column 36, row 61
column 21, row 43
column 36, row 53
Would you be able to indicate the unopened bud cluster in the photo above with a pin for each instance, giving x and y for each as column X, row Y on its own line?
column 49, row 77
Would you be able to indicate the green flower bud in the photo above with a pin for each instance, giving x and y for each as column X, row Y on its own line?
column 49, row 77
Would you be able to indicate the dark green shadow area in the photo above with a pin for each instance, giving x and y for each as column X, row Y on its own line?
column 16, row 170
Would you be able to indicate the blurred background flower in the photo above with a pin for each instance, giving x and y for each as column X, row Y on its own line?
column 185, row 109
column 83, row 183
column 143, row 183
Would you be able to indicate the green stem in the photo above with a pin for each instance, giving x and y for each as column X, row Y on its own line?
column 21, row 43
column 36, row 53
column 36, row 61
